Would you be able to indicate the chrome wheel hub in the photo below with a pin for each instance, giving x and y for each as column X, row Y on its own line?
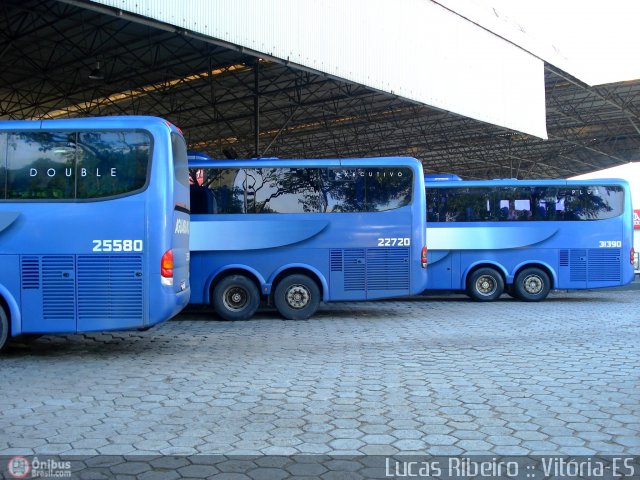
column 298, row 296
column 532, row 284
column 486, row 285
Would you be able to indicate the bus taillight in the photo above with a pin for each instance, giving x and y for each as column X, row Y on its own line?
column 166, row 268
column 423, row 257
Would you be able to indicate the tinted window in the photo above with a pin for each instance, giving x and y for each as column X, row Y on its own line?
column 299, row 190
column 474, row 204
column 66, row 166
column 41, row 165
column 388, row 188
column 367, row 189
column 591, row 202
column 459, row 205
column 284, row 190
column 216, row 190
column 343, row 190
column 112, row 163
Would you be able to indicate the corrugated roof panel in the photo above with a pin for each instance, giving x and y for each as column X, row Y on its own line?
column 416, row 49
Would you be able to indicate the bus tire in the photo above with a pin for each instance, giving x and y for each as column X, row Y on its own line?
column 532, row 285
column 297, row 297
column 485, row 285
column 4, row 329
column 235, row 297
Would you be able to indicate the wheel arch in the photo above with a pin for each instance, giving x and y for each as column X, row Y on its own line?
column 483, row 264
column 301, row 269
column 11, row 309
column 542, row 266
column 228, row 270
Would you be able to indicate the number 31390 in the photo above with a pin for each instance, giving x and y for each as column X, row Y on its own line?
column 610, row 244
column 117, row 245
column 394, row 242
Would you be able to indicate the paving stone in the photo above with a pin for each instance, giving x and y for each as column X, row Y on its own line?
column 628, row 441
column 474, row 445
column 378, row 439
column 567, row 441
column 410, row 445
column 425, row 375
column 509, row 450
column 530, row 435
column 440, row 440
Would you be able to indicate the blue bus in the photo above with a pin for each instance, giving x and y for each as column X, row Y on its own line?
column 528, row 237
column 94, row 224
column 293, row 233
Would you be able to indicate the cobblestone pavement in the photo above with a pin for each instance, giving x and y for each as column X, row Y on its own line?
column 437, row 376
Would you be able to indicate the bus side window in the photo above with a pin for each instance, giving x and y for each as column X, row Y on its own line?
column 202, row 200
column 523, row 209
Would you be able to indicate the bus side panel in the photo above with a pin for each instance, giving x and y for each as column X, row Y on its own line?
column 180, row 204
column 358, row 258
column 168, row 214
column 199, row 276
column 592, row 267
column 598, row 258
column 9, row 280
column 440, row 269
column 80, row 279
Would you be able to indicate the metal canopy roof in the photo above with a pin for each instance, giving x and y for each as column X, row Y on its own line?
column 48, row 48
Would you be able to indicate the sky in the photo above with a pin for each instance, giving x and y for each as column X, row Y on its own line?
column 599, row 38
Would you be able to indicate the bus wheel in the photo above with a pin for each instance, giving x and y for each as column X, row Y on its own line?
column 235, row 297
column 297, row 297
column 4, row 328
column 485, row 285
column 532, row 285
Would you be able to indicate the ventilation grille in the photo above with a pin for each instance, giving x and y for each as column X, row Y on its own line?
column 388, row 269
column 58, row 287
column 110, row 287
column 605, row 265
column 336, row 260
column 593, row 265
column 354, row 270
column 578, row 265
column 564, row 258
column 30, row 269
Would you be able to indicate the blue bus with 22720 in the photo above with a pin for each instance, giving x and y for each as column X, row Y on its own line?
column 527, row 237
column 293, row 233
column 94, row 224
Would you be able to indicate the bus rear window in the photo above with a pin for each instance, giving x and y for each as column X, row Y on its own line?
column 41, row 165
column 71, row 165
column 111, row 163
